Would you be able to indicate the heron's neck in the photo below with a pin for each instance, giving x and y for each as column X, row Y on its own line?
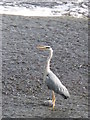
column 48, row 60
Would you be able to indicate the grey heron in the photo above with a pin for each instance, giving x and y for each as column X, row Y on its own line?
column 51, row 80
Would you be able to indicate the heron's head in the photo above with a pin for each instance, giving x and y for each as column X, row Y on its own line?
column 44, row 47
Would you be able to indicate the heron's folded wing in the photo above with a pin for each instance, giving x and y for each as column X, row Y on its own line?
column 52, row 83
column 55, row 84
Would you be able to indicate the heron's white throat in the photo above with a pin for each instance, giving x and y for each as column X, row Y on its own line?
column 49, row 59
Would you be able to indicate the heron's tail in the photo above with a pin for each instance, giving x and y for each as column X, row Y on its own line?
column 64, row 92
column 64, row 96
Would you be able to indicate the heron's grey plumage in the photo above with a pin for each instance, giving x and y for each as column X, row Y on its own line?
column 55, row 84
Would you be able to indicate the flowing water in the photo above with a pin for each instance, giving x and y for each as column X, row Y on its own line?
column 75, row 8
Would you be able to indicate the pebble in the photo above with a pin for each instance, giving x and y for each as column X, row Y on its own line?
column 48, row 103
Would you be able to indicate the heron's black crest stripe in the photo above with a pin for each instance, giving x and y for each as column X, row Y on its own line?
column 47, row 47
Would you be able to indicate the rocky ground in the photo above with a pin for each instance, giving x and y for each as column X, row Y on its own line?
column 23, row 90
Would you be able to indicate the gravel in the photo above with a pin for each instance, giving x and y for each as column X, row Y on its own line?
column 23, row 90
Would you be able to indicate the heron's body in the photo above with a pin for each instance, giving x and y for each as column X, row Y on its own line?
column 55, row 84
column 51, row 79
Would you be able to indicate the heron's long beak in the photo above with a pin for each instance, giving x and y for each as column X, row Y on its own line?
column 41, row 47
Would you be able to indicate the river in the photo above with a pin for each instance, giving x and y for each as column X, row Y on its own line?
column 46, row 8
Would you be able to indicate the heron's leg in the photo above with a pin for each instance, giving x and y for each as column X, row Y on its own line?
column 53, row 99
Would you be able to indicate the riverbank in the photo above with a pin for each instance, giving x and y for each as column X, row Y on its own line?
column 23, row 91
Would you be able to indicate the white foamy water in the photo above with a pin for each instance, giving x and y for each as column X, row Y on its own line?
column 45, row 9
column 38, row 11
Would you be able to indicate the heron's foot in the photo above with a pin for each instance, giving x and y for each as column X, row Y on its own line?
column 53, row 99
